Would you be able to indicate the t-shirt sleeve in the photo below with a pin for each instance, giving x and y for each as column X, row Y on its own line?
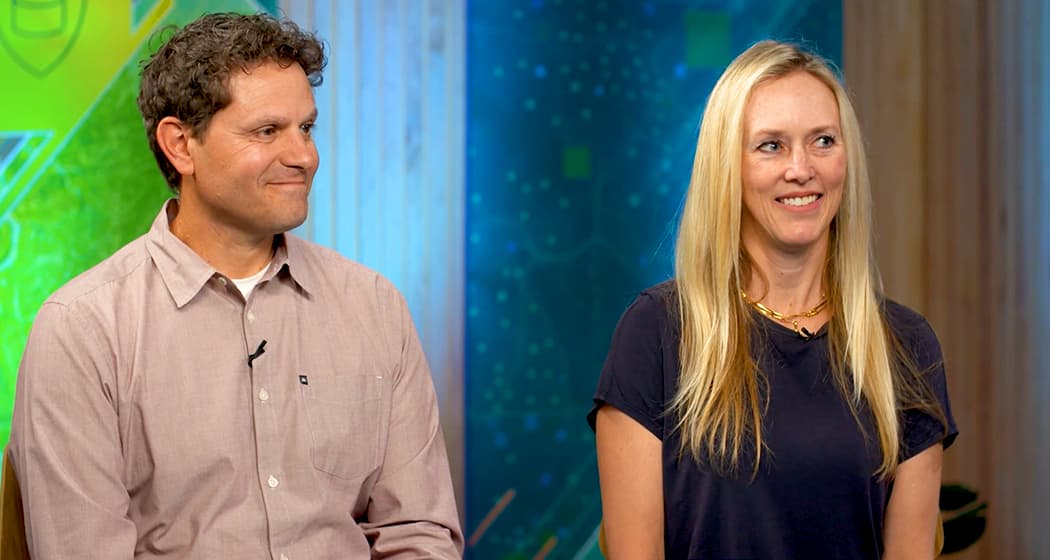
column 632, row 378
column 922, row 429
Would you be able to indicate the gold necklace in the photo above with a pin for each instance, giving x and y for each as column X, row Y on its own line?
column 793, row 319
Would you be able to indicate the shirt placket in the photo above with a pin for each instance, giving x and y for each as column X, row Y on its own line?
column 265, row 395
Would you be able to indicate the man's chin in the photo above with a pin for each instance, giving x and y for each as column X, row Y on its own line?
column 291, row 223
column 284, row 218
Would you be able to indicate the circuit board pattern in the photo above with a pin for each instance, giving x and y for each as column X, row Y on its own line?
column 582, row 122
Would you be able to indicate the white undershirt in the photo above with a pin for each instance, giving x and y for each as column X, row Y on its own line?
column 246, row 285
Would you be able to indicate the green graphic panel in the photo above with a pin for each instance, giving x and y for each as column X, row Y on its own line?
column 77, row 179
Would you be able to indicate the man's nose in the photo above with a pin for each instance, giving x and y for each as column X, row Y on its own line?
column 299, row 151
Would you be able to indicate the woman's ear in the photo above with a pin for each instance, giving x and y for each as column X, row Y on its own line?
column 173, row 137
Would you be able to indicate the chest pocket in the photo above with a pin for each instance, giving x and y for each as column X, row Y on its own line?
column 342, row 414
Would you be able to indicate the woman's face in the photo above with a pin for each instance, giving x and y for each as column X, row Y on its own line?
column 794, row 165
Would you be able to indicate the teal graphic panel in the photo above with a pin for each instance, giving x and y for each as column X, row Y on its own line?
column 582, row 121
column 77, row 179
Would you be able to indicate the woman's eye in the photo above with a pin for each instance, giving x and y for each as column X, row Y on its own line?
column 826, row 141
column 771, row 146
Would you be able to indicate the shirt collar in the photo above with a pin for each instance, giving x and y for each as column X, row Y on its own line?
column 291, row 256
column 184, row 272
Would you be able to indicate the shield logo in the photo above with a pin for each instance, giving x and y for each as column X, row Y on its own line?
column 38, row 34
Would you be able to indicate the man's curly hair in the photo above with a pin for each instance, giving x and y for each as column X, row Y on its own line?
column 188, row 77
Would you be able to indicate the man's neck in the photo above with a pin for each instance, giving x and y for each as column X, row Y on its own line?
column 235, row 253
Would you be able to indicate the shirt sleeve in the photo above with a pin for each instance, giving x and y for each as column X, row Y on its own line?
column 412, row 509
column 632, row 378
column 922, row 429
column 65, row 443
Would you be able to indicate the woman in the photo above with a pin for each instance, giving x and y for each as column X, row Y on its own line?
column 768, row 402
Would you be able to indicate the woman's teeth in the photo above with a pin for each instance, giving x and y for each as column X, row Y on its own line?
column 800, row 200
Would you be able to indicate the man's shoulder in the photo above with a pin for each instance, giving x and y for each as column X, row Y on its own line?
column 331, row 267
column 109, row 273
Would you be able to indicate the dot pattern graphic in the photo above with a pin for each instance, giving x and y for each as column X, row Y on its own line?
column 582, row 121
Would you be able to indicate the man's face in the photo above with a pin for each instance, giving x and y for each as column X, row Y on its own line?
column 254, row 164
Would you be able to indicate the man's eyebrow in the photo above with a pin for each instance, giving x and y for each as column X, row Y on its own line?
column 265, row 120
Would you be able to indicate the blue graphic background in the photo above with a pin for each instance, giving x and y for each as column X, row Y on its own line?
column 582, row 121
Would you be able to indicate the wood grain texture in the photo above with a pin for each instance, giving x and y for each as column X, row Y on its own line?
column 886, row 81
column 960, row 141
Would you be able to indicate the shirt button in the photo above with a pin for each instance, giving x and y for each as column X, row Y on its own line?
column 222, row 280
column 264, row 395
column 251, row 316
column 272, row 482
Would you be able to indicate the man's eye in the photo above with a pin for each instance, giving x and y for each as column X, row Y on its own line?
column 267, row 131
column 307, row 128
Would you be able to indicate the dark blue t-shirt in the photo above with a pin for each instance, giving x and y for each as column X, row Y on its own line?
column 815, row 495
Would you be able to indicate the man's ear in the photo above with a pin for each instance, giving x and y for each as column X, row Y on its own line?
column 173, row 137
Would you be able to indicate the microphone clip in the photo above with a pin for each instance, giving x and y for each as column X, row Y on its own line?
column 258, row 352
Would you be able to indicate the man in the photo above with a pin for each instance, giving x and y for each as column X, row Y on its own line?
column 219, row 388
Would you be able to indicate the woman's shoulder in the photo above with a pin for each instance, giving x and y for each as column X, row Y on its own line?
column 911, row 327
column 657, row 301
column 650, row 312
column 900, row 316
column 665, row 291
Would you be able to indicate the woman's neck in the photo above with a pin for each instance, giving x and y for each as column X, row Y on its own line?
column 787, row 282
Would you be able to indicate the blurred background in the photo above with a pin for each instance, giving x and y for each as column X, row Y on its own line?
column 516, row 168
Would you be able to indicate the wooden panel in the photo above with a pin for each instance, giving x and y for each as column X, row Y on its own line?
column 957, row 227
column 1004, row 488
column 977, row 250
column 882, row 63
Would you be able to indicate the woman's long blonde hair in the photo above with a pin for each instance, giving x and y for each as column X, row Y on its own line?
column 720, row 398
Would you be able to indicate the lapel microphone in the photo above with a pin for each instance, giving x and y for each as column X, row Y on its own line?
column 258, row 352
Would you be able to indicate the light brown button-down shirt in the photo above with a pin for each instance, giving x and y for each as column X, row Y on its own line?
column 140, row 431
